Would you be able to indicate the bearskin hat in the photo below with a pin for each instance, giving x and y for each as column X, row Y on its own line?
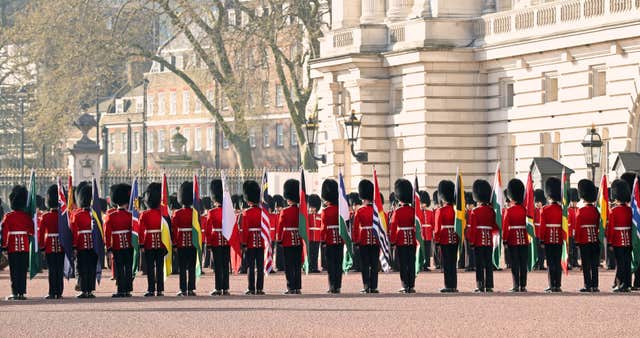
column 84, row 196
column 629, row 177
column 403, row 190
column 435, row 198
column 52, row 197
column 216, row 190
column 365, row 190
column 424, row 198
column 481, row 191
column 587, row 191
column 329, row 191
column 153, row 195
column 120, row 194
column 278, row 202
column 18, row 197
column 40, row 203
column 185, row 196
column 573, row 195
column 620, row 191
column 78, row 189
column 539, row 197
column 314, row 201
column 236, row 201
column 292, row 190
column 552, row 187
column 354, row 199
column 446, row 190
column 515, row 190
column 207, row 203
column 251, row 191
column 104, row 205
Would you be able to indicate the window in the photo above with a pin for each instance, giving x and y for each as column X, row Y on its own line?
column 506, row 93
column 139, row 105
column 294, row 137
column 293, row 50
column 398, row 100
column 225, row 142
column 598, row 81
column 112, row 143
column 279, row 135
column 210, row 134
column 279, row 96
column 161, row 104
column 197, row 139
column 265, row 59
column 250, row 61
column 197, row 106
column 150, row 141
column 551, row 87
column 123, row 143
column 252, row 138
column 119, row 106
column 150, row 105
column 265, row 137
column 135, row 142
column 210, row 97
column 161, row 141
column 172, row 60
column 232, row 17
column 265, row 93
column 224, row 102
column 186, row 104
column 172, row 103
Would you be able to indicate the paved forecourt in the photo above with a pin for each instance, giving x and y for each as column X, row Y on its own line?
column 316, row 313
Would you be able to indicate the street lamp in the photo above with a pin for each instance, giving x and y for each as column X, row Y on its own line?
column 352, row 126
column 591, row 144
column 311, row 127
column 145, row 89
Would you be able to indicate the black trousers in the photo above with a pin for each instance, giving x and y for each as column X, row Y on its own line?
column 369, row 265
column 437, row 256
column 314, row 251
column 507, row 256
column 293, row 266
column 611, row 258
column 484, row 266
column 427, row 254
column 123, row 261
column 449, row 257
column 541, row 255
column 590, row 254
column 623, row 265
column 462, row 258
column 18, row 268
column 356, row 258
column 187, row 266
column 554, row 255
column 221, row 257
column 154, row 259
column 519, row 258
column 87, row 264
column 279, row 256
column 407, row 265
column 255, row 265
column 55, row 265
column 323, row 257
column 573, row 252
column 636, row 278
column 334, row 258
column 393, row 260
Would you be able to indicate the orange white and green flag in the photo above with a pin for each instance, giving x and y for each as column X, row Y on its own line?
column 564, row 261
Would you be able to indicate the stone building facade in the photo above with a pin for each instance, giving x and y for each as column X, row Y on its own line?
column 446, row 84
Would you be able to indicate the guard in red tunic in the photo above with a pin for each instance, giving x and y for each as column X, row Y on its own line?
column 314, row 222
column 330, row 235
column 402, row 234
column 618, row 233
column 365, row 239
column 514, row 235
column 426, row 227
column 630, row 178
column 586, row 226
column 481, row 226
column 181, row 223
column 446, row 236
column 252, row 238
column 552, row 234
column 82, row 230
column 117, row 235
column 49, row 241
column 151, row 240
column 17, row 227
column 571, row 217
column 219, row 246
column 540, row 201
column 289, row 235
column 278, row 204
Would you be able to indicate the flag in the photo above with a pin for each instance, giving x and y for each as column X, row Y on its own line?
column 134, row 209
column 635, row 228
column 70, row 198
column 421, row 252
column 565, row 222
column 530, row 207
column 96, row 228
column 196, row 230
column 461, row 212
column 380, row 225
column 303, row 216
column 265, row 225
column 165, row 228
column 229, row 227
column 34, row 251
column 603, row 207
column 497, row 201
column 344, row 226
column 64, row 232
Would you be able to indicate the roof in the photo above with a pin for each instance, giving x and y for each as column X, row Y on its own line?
column 630, row 161
column 549, row 166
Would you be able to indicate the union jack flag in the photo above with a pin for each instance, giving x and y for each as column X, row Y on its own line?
column 265, row 225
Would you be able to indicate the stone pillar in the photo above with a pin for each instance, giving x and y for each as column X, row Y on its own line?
column 372, row 11
column 489, row 7
column 421, row 9
column 399, row 9
column 345, row 13
column 84, row 161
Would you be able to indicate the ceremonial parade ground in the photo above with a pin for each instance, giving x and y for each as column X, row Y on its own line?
column 315, row 313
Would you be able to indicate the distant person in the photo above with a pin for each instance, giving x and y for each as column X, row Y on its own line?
column 150, row 234
column 446, row 236
column 49, row 241
column 330, row 233
column 182, row 234
column 402, row 233
column 252, row 238
column 619, row 234
column 87, row 258
column 587, row 228
column 219, row 246
column 290, row 236
column 552, row 234
column 365, row 239
column 481, row 226
column 515, row 236
column 117, row 235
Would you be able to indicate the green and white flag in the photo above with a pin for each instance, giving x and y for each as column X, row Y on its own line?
column 345, row 227
column 497, row 201
column 34, row 251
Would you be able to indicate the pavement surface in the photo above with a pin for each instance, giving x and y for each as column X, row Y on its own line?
column 315, row 313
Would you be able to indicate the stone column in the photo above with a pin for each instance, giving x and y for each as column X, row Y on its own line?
column 372, row 11
column 489, row 7
column 421, row 9
column 345, row 13
column 399, row 9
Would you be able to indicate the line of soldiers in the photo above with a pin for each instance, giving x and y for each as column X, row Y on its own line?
column 437, row 227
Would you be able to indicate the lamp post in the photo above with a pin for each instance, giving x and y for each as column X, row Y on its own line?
column 22, row 138
column 592, row 144
column 145, row 89
column 98, row 112
column 352, row 126
column 311, row 127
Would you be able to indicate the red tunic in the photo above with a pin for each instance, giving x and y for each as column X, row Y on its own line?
column 213, row 229
column 288, row 224
column 17, row 226
column 536, row 222
column 48, row 232
column 572, row 220
column 252, row 228
column 363, row 233
column 330, row 233
column 619, row 228
column 445, row 232
column 551, row 224
column 402, row 231
column 150, row 227
column 117, row 230
column 82, row 230
column 314, row 222
column 587, row 224
column 426, row 222
column 181, row 223
column 482, row 225
column 514, row 226
column 273, row 223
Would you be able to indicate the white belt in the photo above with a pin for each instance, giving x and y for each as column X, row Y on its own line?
column 333, row 227
column 426, row 225
column 315, row 229
column 291, row 229
column 121, row 232
column 484, row 227
column 184, row 229
column 217, row 230
column 621, row 228
column 517, row 227
column 18, row 233
column 406, row 228
column 553, row 225
column 85, row 232
column 52, row 235
column 366, row 228
column 448, row 227
column 536, row 224
column 588, row 226
column 156, row 231
column 255, row 229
